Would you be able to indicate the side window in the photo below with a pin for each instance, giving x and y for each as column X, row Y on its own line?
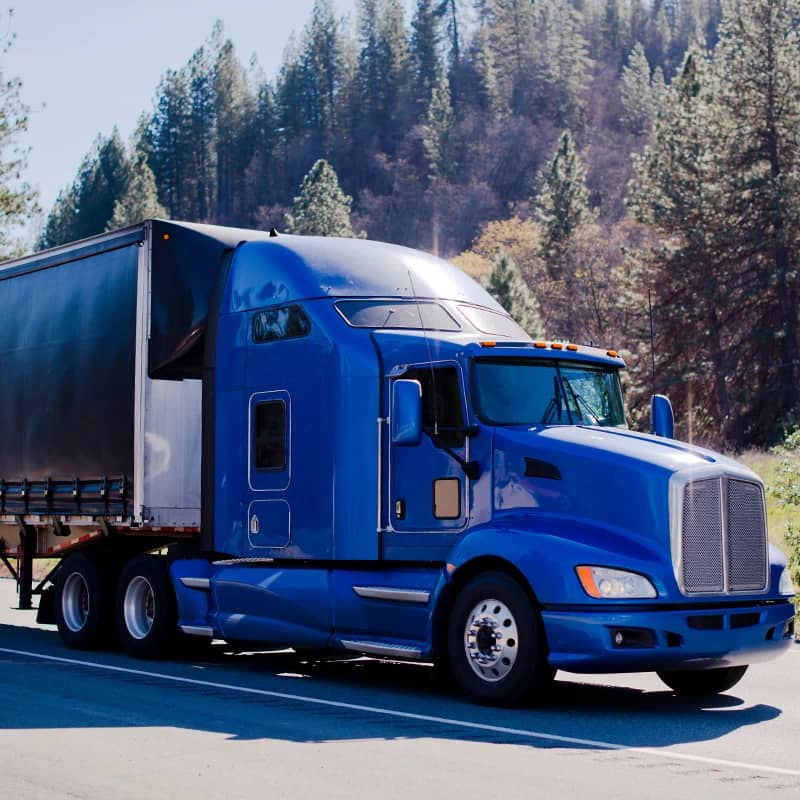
column 269, row 436
column 441, row 403
column 290, row 322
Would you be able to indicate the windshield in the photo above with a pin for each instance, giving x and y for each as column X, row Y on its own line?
column 508, row 391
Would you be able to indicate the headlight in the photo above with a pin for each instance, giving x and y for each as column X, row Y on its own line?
column 785, row 585
column 607, row 583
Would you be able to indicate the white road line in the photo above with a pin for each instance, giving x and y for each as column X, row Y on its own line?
column 389, row 712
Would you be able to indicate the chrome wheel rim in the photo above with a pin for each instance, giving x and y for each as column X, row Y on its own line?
column 491, row 641
column 75, row 602
column 139, row 607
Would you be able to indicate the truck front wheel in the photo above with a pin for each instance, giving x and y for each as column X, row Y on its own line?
column 84, row 603
column 146, row 610
column 702, row 681
column 496, row 644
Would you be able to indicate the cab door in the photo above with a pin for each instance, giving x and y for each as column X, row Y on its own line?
column 428, row 490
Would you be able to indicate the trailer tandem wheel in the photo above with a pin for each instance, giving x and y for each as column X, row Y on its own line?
column 146, row 612
column 84, row 603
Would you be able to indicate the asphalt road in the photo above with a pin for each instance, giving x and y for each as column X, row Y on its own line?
column 100, row 725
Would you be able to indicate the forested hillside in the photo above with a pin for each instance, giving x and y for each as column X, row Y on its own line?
column 586, row 158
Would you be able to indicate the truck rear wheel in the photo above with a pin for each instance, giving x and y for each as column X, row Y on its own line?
column 702, row 681
column 496, row 645
column 146, row 609
column 84, row 603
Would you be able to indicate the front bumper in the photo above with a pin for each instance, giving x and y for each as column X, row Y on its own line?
column 582, row 640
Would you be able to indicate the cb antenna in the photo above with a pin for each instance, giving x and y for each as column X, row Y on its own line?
column 652, row 338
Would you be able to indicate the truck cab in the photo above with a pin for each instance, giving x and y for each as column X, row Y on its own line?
column 401, row 471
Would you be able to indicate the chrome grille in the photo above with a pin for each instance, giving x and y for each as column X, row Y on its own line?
column 747, row 539
column 723, row 544
column 701, row 545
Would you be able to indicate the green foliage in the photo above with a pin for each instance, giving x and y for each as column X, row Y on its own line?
column 639, row 95
column 563, row 202
column 437, row 135
column 424, row 48
column 719, row 182
column 786, row 486
column 139, row 201
column 86, row 207
column 321, row 208
column 17, row 198
column 508, row 287
column 786, row 489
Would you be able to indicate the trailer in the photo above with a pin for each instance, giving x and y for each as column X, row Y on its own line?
column 350, row 447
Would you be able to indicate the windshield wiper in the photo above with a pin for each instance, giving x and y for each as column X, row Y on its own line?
column 580, row 401
column 554, row 405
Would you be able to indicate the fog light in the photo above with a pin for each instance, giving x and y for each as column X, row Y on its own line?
column 633, row 637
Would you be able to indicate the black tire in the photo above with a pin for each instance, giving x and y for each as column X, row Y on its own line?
column 702, row 681
column 489, row 665
column 146, row 611
column 84, row 603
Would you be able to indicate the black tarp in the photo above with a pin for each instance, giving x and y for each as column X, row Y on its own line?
column 68, row 344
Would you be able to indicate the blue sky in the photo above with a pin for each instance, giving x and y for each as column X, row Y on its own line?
column 96, row 64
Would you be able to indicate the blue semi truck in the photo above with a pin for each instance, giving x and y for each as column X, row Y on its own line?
column 345, row 446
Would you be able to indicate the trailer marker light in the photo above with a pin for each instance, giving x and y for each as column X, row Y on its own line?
column 165, row 237
column 488, row 344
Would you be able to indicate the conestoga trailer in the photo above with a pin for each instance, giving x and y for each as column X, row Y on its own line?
column 349, row 446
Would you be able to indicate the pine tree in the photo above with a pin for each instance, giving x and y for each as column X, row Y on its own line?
column 86, row 207
column 638, row 93
column 758, row 71
column 511, row 37
column 140, row 199
column 321, row 70
column 563, row 203
column 17, row 199
column 424, row 46
column 438, row 131
column 562, row 63
column 382, row 75
column 488, row 93
column 450, row 12
column 202, row 124
column 508, row 287
column 167, row 141
column 679, row 193
column 233, row 105
column 321, row 208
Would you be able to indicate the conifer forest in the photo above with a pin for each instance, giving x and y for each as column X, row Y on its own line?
column 587, row 160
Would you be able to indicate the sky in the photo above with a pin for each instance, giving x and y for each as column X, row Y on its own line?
column 88, row 65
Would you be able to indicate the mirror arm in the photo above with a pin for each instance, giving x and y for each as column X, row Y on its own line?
column 471, row 468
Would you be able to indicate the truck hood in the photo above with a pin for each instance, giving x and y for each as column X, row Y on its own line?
column 590, row 478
